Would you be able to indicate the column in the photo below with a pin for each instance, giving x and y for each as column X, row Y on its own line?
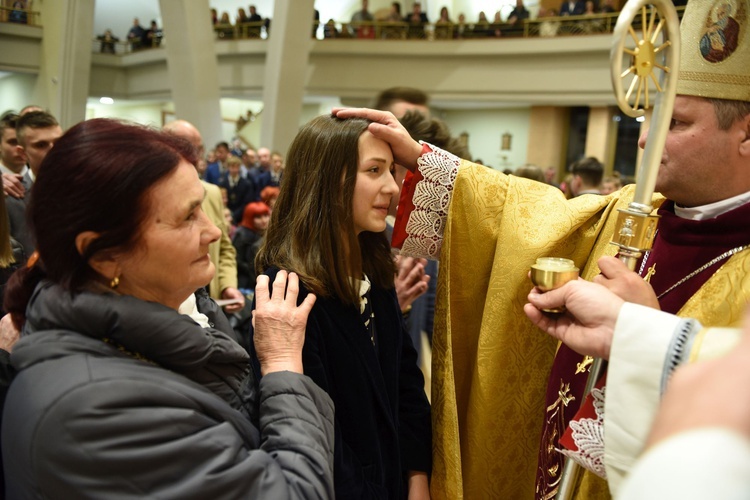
column 548, row 137
column 286, row 72
column 63, row 83
column 601, row 136
column 192, row 65
column 645, row 125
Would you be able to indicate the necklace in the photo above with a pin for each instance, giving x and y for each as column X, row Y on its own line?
column 123, row 350
column 705, row 266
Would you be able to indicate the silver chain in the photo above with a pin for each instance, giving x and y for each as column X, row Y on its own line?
column 705, row 266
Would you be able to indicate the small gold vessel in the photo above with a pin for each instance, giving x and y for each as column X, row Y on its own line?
column 552, row 272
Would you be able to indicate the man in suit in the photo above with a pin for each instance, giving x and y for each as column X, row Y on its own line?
column 261, row 174
column 221, row 252
column 240, row 191
column 572, row 8
column 13, row 167
column 217, row 169
column 12, row 159
column 36, row 132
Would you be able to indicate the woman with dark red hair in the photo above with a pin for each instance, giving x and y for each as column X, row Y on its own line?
column 247, row 240
column 118, row 394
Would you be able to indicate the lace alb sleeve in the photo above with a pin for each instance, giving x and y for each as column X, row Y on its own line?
column 432, row 197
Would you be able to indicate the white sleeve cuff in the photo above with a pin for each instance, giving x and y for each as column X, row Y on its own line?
column 640, row 346
column 700, row 464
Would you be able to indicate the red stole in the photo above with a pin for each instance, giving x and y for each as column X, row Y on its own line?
column 681, row 247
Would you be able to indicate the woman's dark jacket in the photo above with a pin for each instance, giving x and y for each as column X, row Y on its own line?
column 247, row 243
column 383, row 426
column 120, row 398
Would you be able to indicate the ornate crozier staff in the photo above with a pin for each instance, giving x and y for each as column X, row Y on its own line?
column 636, row 226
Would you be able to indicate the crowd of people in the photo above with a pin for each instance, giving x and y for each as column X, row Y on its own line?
column 138, row 38
column 125, row 371
column 393, row 23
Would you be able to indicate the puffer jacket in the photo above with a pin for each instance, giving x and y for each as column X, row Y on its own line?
column 121, row 398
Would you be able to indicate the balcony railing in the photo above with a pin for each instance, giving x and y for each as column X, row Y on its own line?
column 18, row 15
column 105, row 45
column 254, row 30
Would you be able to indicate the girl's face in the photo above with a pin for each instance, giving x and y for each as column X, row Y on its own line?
column 261, row 222
column 375, row 185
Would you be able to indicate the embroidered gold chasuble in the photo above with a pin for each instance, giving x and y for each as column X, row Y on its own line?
column 490, row 364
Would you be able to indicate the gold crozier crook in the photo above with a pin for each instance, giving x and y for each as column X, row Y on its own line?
column 656, row 51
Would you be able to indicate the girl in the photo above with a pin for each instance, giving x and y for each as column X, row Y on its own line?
column 247, row 240
column 327, row 226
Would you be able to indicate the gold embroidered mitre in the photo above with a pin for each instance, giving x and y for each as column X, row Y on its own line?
column 715, row 59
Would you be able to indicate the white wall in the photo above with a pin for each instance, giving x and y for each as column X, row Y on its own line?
column 485, row 129
column 150, row 113
column 145, row 114
column 16, row 91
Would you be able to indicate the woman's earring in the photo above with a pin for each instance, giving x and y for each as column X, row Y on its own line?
column 115, row 282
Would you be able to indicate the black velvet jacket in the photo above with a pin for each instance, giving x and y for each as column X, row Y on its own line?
column 383, row 426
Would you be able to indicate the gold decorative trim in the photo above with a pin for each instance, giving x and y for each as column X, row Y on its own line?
column 699, row 76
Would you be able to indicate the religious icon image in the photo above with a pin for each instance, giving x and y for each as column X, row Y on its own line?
column 721, row 37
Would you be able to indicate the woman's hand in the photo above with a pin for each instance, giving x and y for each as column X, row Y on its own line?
column 588, row 324
column 419, row 486
column 411, row 281
column 280, row 324
column 9, row 334
column 233, row 294
column 386, row 127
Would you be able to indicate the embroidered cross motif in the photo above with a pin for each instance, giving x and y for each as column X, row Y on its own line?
column 583, row 365
column 564, row 393
column 651, row 271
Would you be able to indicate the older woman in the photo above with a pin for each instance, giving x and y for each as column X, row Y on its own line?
column 119, row 395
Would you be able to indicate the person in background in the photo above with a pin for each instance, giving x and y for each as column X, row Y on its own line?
column 362, row 22
column 107, row 42
column 153, row 35
column 417, row 21
column 394, row 13
column 269, row 195
column 106, row 350
column 444, row 25
column 572, row 7
column 399, row 100
column 12, row 257
column 224, row 28
column 37, row 132
column 217, row 168
column 240, row 191
column 247, row 241
column 610, row 184
column 135, row 35
column 530, row 172
column 587, row 176
column 607, row 7
column 518, row 14
column 277, row 169
column 328, row 227
column 231, row 228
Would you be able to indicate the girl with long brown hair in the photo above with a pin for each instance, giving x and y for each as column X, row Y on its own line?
column 328, row 227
